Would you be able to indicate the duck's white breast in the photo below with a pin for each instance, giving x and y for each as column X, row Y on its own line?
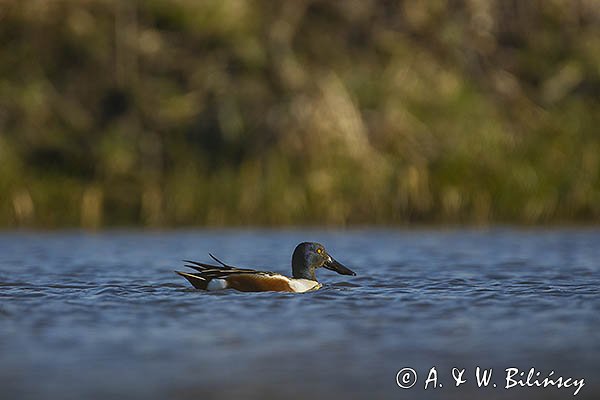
column 303, row 285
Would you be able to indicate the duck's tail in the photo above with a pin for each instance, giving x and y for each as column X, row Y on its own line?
column 212, row 277
column 195, row 279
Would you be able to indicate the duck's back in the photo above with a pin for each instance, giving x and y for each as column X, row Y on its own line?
column 218, row 277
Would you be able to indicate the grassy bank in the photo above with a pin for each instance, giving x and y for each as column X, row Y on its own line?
column 164, row 113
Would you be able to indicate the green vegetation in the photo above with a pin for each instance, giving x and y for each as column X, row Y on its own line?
column 164, row 113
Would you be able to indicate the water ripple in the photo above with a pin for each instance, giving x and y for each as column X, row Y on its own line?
column 108, row 309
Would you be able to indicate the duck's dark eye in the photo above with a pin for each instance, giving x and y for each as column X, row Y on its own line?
column 319, row 251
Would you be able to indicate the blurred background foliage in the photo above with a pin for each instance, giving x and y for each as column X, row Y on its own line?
column 233, row 112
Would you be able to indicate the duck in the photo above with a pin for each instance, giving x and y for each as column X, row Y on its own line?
column 306, row 259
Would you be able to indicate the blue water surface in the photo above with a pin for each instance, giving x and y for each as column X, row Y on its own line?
column 102, row 315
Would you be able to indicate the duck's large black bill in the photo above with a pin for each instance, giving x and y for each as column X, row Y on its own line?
column 339, row 268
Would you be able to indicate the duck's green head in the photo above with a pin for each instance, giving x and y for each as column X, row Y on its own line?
column 309, row 256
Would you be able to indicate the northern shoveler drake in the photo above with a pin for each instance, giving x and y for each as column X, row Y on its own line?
column 306, row 259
